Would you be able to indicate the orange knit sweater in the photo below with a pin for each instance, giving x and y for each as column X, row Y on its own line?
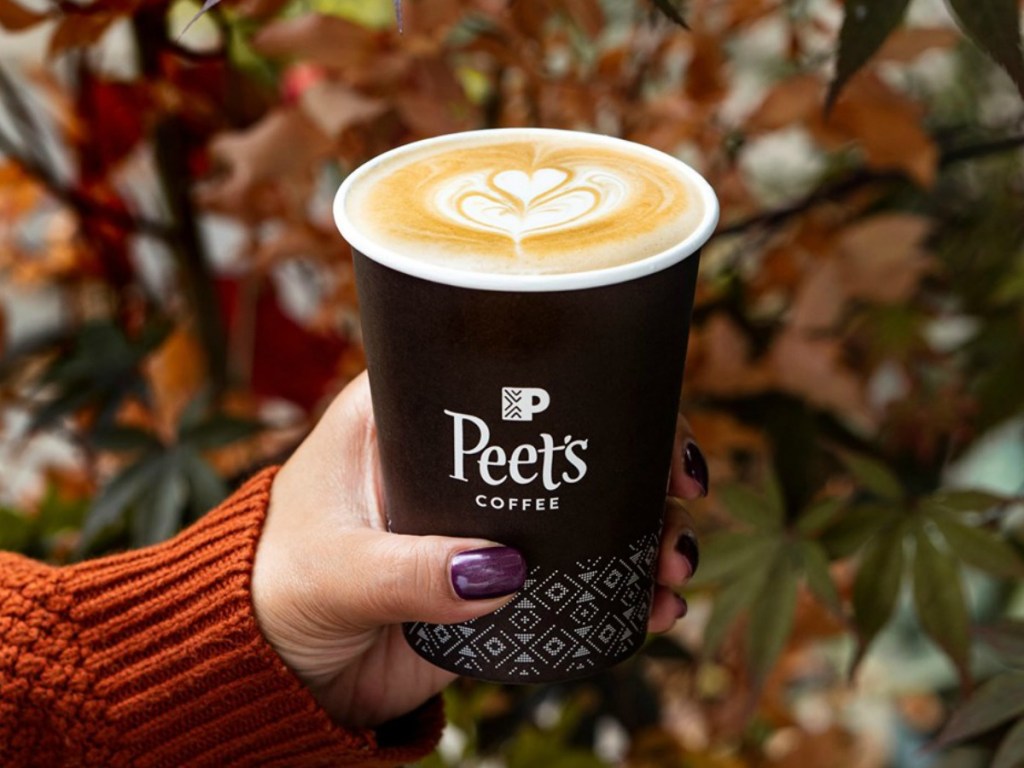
column 153, row 658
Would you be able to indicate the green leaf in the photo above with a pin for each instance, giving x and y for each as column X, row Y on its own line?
column 819, row 515
column 983, row 549
column 733, row 598
column 673, row 10
column 866, row 25
column 877, row 587
column 819, row 580
column 962, row 502
column 940, row 602
column 119, row 494
column 1011, row 750
column 855, row 527
column 219, row 430
column 208, row 488
column 15, row 530
column 730, row 552
column 771, row 617
column 994, row 26
column 124, row 439
column 160, row 515
column 193, row 413
column 872, row 475
column 64, row 404
column 757, row 508
column 1006, row 638
column 995, row 702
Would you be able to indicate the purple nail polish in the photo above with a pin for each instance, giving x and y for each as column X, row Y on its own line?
column 695, row 465
column 687, row 547
column 479, row 574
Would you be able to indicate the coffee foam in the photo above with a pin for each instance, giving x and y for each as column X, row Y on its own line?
column 513, row 205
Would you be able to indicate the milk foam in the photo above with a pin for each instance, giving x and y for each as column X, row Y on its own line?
column 514, row 205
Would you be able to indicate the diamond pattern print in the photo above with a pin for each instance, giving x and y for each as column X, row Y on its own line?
column 560, row 622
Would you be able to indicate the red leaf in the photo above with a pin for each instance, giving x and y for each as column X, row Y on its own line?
column 288, row 361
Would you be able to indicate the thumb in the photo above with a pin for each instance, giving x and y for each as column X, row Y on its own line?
column 437, row 579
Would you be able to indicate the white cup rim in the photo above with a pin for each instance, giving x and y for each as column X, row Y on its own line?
column 567, row 281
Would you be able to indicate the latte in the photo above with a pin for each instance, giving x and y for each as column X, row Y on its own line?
column 524, row 202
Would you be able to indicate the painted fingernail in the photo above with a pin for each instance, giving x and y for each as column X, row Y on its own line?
column 687, row 547
column 683, row 607
column 479, row 574
column 696, row 466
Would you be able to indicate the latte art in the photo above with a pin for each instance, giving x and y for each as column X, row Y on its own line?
column 518, row 203
column 515, row 205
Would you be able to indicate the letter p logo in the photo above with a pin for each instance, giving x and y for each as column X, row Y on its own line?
column 521, row 403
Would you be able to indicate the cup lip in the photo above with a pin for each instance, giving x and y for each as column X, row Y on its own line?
column 564, row 281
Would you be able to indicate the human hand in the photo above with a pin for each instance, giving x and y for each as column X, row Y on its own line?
column 331, row 586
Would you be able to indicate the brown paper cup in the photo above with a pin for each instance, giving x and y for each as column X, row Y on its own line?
column 538, row 412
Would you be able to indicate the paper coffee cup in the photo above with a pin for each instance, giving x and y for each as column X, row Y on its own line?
column 533, row 410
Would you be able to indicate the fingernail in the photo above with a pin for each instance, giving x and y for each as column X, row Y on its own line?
column 687, row 547
column 696, row 466
column 683, row 608
column 479, row 574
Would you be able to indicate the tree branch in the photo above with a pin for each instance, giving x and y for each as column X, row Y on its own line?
column 82, row 204
column 862, row 178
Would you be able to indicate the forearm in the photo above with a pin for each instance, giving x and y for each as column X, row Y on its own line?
column 154, row 658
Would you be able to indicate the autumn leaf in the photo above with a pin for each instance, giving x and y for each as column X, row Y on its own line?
column 794, row 100
column 17, row 18
column 885, row 125
column 175, row 374
column 907, row 44
column 882, row 258
column 254, row 158
column 334, row 107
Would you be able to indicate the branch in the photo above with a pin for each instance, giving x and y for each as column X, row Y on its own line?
column 170, row 147
column 83, row 205
column 35, row 165
column 862, row 178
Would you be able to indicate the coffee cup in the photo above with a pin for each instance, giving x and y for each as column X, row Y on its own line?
column 525, row 298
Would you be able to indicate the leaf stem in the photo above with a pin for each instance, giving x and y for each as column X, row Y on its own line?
column 862, row 178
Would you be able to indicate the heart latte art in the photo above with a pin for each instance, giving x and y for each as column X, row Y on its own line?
column 525, row 206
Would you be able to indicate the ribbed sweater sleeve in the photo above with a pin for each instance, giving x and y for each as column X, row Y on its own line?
column 153, row 658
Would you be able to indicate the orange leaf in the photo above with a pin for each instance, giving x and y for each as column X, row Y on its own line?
column 820, row 300
column 887, row 127
column 16, row 18
column 720, row 360
column 284, row 143
column 812, row 369
column 882, row 258
column 705, row 76
column 795, row 100
column 333, row 107
column 83, row 27
column 175, row 375
column 907, row 43
column 335, row 44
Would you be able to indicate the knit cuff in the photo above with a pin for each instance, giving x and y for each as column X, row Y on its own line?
column 182, row 671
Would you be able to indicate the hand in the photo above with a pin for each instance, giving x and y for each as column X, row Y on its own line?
column 331, row 586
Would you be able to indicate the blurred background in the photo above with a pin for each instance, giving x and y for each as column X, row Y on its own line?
column 176, row 308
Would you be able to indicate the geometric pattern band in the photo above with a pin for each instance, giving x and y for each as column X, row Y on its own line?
column 561, row 623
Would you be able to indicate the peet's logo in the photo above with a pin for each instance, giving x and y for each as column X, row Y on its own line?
column 546, row 461
column 521, row 403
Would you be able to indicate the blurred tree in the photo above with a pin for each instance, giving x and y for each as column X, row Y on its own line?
column 859, row 328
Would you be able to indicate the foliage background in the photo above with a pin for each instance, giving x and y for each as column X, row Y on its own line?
column 177, row 308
